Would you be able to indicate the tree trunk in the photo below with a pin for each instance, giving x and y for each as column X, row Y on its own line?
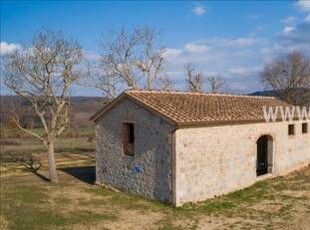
column 51, row 163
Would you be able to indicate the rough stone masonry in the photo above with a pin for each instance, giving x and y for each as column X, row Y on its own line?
column 179, row 161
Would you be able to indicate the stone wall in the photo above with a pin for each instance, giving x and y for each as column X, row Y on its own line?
column 152, row 152
column 216, row 160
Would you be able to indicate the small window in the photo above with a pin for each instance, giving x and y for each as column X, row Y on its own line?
column 128, row 139
column 291, row 130
column 304, row 128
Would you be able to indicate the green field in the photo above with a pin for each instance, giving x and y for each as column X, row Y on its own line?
column 9, row 132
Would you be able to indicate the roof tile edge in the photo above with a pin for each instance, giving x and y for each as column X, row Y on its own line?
column 197, row 93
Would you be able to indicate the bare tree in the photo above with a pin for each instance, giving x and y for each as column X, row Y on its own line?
column 290, row 77
column 216, row 84
column 95, row 77
column 193, row 78
column 43, row 75
column 130, row 60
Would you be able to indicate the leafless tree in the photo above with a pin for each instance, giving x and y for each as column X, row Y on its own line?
column 43, row 75
column 290, row 77
column 130, row 60
column 216, row 84
column 96, row 77
column 193, row 78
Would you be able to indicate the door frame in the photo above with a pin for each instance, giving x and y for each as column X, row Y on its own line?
column 269, row 154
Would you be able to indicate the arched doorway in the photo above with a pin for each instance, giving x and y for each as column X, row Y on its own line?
column 264, row 155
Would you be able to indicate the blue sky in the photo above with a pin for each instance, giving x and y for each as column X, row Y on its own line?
column 231, row 38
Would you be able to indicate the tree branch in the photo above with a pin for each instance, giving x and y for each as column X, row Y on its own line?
column 17, row 122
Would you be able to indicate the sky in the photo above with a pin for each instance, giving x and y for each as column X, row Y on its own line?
column 234, row 39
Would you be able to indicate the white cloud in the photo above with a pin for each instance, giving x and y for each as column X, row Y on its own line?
column 289, row 20
column 243, row 72
column 92, row 56
column 287, row 30
column 199, row 10
column 8, row 48
column 238, row 71
column 176, row 75
column 239, row 60
column 304, row 5
column 194, row 48
column 296, row 35
column 171, row 53
column 223, row 56
column 262, row 27
column 239, row 42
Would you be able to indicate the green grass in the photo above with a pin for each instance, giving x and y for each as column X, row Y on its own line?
column 28, row 146
column 253, row 194
column 15, row 152
column 127, row 201
column 30, row 207
column 27, row 194
column 42, row 205
column 11, row 132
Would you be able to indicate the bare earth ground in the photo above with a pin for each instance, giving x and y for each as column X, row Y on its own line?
column 28, row 201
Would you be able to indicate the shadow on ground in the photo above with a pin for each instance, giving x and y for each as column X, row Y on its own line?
column 86, row 174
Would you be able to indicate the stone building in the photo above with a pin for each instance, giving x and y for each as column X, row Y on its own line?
column 187, row 147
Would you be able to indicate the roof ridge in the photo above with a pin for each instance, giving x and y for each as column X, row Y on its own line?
column 197, row 93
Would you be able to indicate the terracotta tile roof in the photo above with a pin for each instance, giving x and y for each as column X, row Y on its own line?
column 185, row 108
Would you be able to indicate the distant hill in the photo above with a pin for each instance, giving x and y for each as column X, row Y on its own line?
column 82, row 109
column 269, row 93
column 272, row 93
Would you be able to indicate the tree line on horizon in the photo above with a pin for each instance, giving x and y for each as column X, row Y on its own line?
column 44, row 74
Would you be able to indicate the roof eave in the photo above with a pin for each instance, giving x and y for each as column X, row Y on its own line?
column 219, row 123
column 106, row 108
